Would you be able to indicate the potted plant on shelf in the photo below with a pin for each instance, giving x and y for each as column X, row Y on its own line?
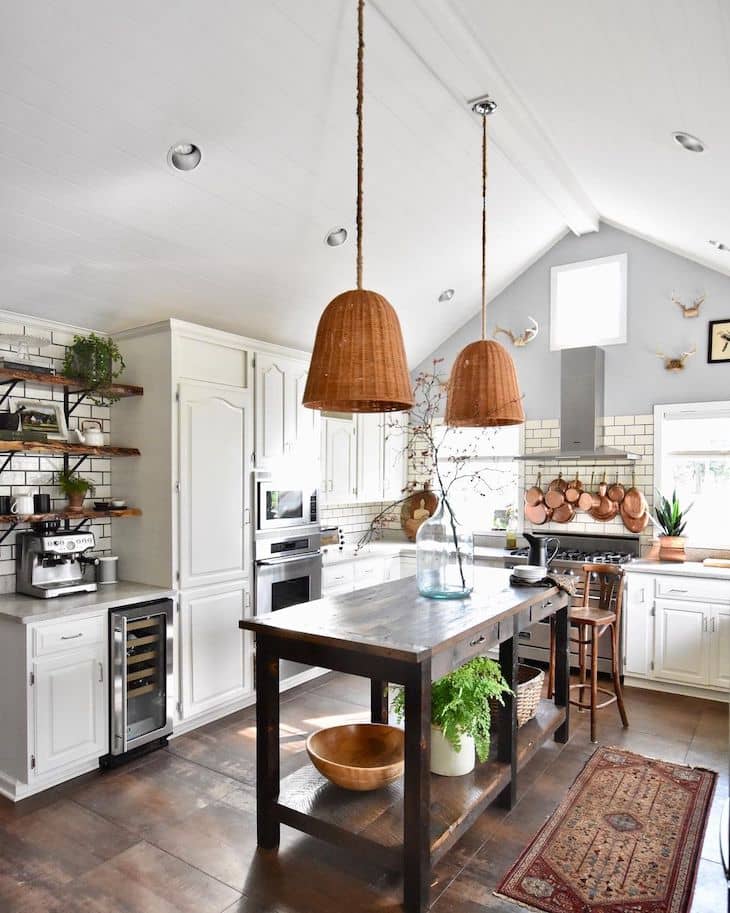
column 75, row 488
column 461, row 715
column 97, row 362
column 671, row 519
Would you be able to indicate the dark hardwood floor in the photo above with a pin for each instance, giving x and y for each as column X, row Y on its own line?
column 176, row 831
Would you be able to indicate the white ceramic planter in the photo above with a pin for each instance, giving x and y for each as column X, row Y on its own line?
column 448, row 762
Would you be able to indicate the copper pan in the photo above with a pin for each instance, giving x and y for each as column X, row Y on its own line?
column 558, row 484
column 554, row 498
column 564, row 514
column 634, row 502
column 573, row 491
column 588, row 500
column 634, row 524
column 606, row 510
column 616, row 492
column 537, row 514
column 534, row 495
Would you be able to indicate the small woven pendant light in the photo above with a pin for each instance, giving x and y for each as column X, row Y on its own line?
column 359, row 362
column 483, row 390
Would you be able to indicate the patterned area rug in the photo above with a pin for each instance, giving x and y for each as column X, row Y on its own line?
column 626, row 839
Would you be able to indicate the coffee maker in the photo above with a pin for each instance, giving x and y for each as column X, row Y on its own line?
column 50, row 562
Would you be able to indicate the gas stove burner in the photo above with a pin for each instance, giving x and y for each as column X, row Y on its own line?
column 574, row 556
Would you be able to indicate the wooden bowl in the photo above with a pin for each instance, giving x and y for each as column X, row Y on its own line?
column 358, row 756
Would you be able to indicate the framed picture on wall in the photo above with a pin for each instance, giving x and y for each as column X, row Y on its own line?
column 37, row 416
column 718, row 342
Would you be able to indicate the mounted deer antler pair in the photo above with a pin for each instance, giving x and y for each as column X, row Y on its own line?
column 676, row 364
column 690, row 310
column 527, row 336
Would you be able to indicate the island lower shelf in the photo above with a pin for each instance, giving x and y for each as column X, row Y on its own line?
column 373, row 821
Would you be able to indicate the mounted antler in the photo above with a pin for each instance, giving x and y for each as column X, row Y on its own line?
column 690, row 310
column 676, row 364
column 527, row 336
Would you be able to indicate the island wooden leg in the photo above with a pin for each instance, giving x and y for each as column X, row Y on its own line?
column 417, row 801
column 378, row 701
column 562, row 670
column 507, row 723
column 267, row 745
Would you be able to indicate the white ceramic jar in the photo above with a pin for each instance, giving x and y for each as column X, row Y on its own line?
column 448, row 762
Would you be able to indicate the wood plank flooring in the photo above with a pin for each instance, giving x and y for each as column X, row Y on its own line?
column 176, row 831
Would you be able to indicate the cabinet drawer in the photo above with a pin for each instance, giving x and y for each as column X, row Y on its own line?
column 369, row 572
column 338, row 577
column 69, row 635
column 693, row 588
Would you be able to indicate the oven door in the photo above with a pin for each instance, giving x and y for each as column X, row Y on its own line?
column 283, row 582
column 283, row 507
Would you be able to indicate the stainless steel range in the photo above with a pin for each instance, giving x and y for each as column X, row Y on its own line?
column 574, row 551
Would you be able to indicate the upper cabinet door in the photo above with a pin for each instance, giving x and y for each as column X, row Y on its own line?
column 216, row 435
column 395, row 444
column 369, row 486
column 338, row 445
column 284, row 428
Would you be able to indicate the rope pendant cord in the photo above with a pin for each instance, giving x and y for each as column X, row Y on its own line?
column 360, row 55
column 484, row 226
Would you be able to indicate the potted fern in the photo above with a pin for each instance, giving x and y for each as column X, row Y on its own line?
column 461, row 715
column 671, row 519
column 97, row 361
column 75, row 488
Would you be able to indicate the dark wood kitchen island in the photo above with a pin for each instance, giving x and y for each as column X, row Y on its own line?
column 390, row 633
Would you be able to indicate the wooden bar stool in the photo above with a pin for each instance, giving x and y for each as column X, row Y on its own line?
column 598, row 611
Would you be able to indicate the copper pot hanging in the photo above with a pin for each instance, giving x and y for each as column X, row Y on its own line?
column 535, row 494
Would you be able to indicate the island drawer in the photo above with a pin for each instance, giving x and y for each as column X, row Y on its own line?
column 69, row 635
column 693, row 588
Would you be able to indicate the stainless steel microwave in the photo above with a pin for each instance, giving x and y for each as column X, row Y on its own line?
column 284, row 506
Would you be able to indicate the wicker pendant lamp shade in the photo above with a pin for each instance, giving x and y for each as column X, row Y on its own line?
column 359, row 361
column 483, row 388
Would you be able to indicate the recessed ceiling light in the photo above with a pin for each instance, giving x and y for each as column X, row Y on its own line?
column 688, row 142
column 446, row 295
column 183, row 156
column 719, row 245
column 335, row 237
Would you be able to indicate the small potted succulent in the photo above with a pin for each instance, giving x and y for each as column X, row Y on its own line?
column 461, row 715
column 97, row 361
column 75, row 488
column 671, row 519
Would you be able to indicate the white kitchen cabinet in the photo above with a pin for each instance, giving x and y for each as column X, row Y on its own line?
column 216, row 657
column 681, row 644
column 284, row 427
column 370, row 454
column 719, row 631
column 70, row 708
column 408, row 565
column 338, row 447
column 395, row 440
column 638, row 624
column 216, row 428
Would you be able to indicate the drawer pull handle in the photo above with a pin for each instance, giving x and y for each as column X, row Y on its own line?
column 477, row 641
column 677, row 590
column 525, row 635
column 72, row 636
column 548, row 604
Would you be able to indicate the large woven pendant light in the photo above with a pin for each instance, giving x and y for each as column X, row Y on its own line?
column 483, row 390
column 359, row 362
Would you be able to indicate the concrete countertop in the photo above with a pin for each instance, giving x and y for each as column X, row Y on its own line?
column 687, row 569
column 27, row 609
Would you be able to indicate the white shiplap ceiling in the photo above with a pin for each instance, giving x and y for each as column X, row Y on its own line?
column 98, row 231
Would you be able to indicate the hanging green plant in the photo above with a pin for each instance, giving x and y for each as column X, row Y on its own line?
column 460, row 702
column 97, row 362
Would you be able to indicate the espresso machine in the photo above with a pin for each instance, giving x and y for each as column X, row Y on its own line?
column 51, row 562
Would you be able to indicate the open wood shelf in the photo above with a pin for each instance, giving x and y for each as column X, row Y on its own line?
column 316, row 806
column 65, row 447
column 70, row 515
column 74, row 384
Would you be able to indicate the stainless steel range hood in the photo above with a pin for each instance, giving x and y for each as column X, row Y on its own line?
column 582, row 374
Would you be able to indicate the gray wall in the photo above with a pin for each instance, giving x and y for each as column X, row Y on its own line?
column 635, row 377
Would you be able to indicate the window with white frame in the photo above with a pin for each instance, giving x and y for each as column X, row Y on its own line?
column 481, row 463
column 692, row 456
column 588, row 303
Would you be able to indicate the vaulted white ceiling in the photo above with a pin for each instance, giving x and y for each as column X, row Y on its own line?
column 97, row 230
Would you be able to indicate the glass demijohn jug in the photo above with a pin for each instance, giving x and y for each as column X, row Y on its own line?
column 444, row 556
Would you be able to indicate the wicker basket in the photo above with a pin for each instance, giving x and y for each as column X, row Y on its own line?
column 529, row 690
